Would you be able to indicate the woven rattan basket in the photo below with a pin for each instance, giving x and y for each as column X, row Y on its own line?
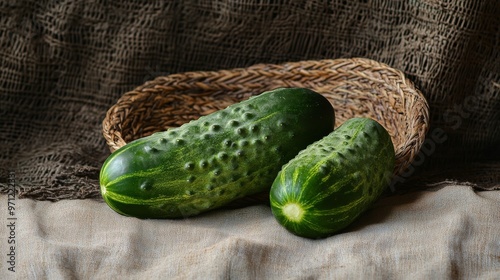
column 355, row 87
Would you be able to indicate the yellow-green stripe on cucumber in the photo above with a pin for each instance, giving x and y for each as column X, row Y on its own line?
column 209, row 162
column 331, row 182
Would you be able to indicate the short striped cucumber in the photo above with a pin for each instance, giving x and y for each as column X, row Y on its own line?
column 209, row 162
column 331, row 182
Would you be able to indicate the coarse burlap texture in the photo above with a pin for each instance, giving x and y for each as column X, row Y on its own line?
column 64, row 63
column 445, row 233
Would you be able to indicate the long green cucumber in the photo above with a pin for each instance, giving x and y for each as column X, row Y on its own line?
column 331, row 182
column 209, row 162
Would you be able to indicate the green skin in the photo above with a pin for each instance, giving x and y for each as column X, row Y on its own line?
column 209, row 162
column 331, row 182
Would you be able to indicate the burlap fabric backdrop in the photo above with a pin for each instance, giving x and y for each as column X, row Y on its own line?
column 63, row 64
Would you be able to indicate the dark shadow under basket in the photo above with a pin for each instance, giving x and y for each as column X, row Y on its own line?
column 356, row 87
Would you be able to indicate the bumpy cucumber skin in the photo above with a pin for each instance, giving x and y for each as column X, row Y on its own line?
column 209, row 162
column 334, row 180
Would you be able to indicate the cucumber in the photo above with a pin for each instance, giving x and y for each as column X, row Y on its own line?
column 331, row 182
column 218, row 158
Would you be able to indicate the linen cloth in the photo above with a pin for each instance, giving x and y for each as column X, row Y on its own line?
column 452, row 232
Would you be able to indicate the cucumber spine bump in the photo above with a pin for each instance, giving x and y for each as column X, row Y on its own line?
column 207, row 163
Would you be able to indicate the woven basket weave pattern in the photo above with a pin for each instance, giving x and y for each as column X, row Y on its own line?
column 355, row 87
